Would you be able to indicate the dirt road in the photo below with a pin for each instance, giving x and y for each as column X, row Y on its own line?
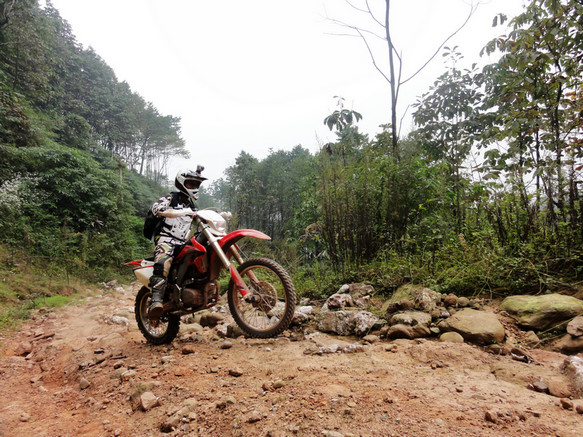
column 84, row 371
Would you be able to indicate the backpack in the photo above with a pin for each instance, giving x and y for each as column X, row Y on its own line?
column 153, row 224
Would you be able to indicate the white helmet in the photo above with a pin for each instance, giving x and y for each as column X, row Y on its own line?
column 188, row 181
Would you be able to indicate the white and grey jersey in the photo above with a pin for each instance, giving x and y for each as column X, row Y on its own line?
column 176, row 227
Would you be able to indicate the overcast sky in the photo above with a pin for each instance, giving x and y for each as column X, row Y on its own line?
column 257, row 75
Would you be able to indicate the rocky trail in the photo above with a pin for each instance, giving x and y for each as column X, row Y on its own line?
column 85, row 370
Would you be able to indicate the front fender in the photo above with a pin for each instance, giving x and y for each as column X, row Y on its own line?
column 231, row 238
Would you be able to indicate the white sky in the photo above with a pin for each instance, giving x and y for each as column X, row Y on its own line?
column 257, row 75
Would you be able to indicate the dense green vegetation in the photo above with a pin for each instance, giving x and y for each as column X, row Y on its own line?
column 484, row 196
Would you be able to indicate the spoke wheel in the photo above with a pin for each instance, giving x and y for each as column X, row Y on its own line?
column 269, row 307
column 160, row 331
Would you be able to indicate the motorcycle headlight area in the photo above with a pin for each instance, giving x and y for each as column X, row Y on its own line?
column 219, row 225
column 216, row 222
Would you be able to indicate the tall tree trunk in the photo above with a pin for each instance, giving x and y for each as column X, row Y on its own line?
column 393, row 84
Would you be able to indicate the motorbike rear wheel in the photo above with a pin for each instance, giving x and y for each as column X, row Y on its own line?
column 162, row 331
column 269, row 307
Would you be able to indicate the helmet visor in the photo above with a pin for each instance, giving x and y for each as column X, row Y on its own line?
column 191, row 184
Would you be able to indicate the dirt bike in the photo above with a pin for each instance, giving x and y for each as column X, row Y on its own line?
column 260, row 293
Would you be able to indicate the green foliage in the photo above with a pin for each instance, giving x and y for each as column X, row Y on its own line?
column 69, row 132
column 266, row 194
column 30, row 282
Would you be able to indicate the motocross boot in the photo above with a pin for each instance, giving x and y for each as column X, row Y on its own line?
column 157, row 285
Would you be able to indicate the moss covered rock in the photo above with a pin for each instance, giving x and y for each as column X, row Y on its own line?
column 542, row 312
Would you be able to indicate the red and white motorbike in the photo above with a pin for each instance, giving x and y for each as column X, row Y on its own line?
column 260, row 293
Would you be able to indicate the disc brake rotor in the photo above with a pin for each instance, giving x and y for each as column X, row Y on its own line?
column 266, row 296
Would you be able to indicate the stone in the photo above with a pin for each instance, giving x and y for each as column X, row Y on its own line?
column 540, row 387
column 337, row 301
column 358, row 290
column 574, row 369
column 579, row 409
column 23, row 349
column 254, row 416
column 352, row 348
column 531, row 339
column 411, row 318
column 188, row 349
column 211, row 319
column 84, row 383
column 567, row 404
column 307, row 310
column 190, row 328
column 451, row 337
column 568, row 344
column 475, row 326
column 542, row 312
column 426, row 299
column 363, row 302
column 423, row 298
column 234, row 331
column 337, row 322
column 491, row 416
column 407, row 331
column 302, row 314
column 278, row 384
column 559, row 388
column 236, row 372
column 171, row 423
column 371, row 338
column 463, row 302
column 329, row 433
column 128, row 374
column 364, row 322
column 575, row 327
column 119, row 320
column 148, row 400
column 226, row 344
column 450, row 300
column 184, row 413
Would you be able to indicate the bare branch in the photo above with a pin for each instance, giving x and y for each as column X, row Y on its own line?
column 355, row 28
column 473, row 8
column 401, row 122
column 366, row 11
column 374, row 62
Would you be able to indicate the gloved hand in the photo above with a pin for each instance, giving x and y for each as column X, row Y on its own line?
column 172, row 213
column 188, row 211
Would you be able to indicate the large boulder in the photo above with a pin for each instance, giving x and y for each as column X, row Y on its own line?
column 337, row 322
column 411, row 318
column 364, row 322
column 423, row 298
column 401, row 330
column 474, row 326
column 347, row 322
column 542, row 312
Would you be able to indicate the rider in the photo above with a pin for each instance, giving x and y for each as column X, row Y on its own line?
column 177, row 210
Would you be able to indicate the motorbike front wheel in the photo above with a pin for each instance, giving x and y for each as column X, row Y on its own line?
column 162, row 331
column 268, row 308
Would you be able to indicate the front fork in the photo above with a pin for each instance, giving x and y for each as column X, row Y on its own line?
column 239, row 283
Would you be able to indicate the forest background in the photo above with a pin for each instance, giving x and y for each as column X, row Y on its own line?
column 484, row 196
